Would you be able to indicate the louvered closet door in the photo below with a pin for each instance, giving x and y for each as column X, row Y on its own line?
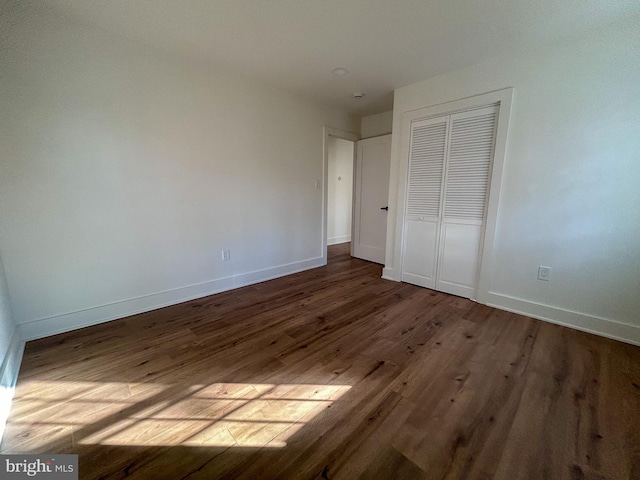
column 450, row 160
column 467, row 173
column 422, row 220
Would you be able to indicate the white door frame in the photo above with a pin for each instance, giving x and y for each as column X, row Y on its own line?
column 345, row 135
column 504, row 99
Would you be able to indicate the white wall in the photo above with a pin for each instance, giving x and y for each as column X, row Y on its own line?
column 376, row 125
column 340, row 190
column 125, row 172
column 570, row 191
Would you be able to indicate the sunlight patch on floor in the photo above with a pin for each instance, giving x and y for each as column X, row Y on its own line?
column 215, row 415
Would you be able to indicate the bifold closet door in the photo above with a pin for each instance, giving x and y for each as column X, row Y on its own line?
column 422, row 218
column 442, row 250
column 467, row 173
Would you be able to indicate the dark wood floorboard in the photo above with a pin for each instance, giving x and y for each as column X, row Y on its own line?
column 332, row 373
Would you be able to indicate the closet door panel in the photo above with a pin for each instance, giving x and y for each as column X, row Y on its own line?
column 420, row 258
column 459, row 265
column 469, row 163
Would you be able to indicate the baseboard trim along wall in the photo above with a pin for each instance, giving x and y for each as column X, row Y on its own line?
column 48, row 326
column 9, row 370
column 389, row 274
column 604, row 327
column 336, row 240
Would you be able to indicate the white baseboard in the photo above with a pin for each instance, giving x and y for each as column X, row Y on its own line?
column 336, row 240
column 9, row 370
column 390, row 274
column 48, row 326
column 605, row 327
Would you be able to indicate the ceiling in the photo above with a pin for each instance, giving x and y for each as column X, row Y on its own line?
column 384, row 44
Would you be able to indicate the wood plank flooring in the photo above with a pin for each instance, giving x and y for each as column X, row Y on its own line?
column 331, row 373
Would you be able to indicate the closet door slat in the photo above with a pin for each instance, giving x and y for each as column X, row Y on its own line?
column 469, row 163
column 426, row 165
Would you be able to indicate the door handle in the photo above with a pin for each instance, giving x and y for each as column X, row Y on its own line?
column 384, row 208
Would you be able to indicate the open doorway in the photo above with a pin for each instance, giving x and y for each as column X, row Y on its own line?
column 356, row 182
column 340, row 190
column 338, row 198
column 340, row 174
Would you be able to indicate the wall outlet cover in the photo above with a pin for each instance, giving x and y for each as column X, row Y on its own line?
column 544, row 273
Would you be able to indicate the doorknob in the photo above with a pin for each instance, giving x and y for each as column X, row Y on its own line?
column 384, row 208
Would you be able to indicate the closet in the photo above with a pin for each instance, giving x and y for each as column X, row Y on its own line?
column 450, row 162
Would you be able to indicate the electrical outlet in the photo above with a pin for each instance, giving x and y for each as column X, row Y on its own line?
column 544, row 273
column 318, row 183
column 226, row 254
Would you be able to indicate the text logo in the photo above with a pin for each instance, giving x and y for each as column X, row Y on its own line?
column 51, row 467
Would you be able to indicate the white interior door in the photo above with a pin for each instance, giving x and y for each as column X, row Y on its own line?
column 373, row 160
column 450, row 160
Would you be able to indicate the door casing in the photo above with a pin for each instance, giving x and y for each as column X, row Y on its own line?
column 395, row 252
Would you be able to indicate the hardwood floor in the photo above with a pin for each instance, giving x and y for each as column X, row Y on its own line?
column 331, row 373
